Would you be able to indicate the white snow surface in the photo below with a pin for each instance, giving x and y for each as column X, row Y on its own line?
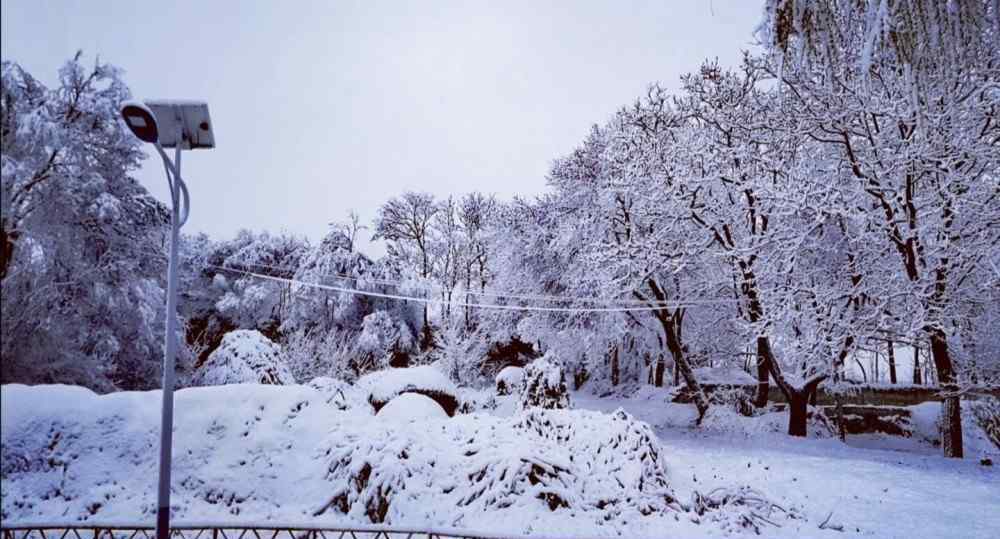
column 244, row 356
column 254, row 453
column 383, row 385
column 410, row 407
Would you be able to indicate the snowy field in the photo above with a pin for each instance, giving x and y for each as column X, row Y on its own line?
column 316, row 454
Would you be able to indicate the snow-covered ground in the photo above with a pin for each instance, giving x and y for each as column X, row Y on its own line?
column 874, row 491
column 248, row 453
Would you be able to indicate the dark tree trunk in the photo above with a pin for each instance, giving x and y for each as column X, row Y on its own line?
column 7, row 241
column 763, row 385
column 681, row 364
column 615, row 367
column 892, row 363
column 918, row 378
column 658, row 371
column 798, row 399
column 951, row 407
column 797, row 413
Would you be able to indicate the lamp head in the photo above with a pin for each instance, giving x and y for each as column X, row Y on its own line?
column 141, row 121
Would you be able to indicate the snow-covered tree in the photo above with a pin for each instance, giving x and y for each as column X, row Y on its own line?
column 81, row 262
column 245, row 357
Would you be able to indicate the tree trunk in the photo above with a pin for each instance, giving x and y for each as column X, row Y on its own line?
column 7, row 241
column 798, row 399
column 615, row 367
column 797, row 413
column 892, row 363
column 658, row 371
column 918, row 378
column 682, row 366
column 763, row 385
column 951, row 407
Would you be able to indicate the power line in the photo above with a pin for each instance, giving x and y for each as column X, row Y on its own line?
column 563, row 299
column 354, row 291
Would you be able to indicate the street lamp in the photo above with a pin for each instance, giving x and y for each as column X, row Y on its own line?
column 182, row 125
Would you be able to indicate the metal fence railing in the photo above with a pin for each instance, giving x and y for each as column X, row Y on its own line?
column 85, row 530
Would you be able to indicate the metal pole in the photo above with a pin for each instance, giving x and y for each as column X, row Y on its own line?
column 167, row 412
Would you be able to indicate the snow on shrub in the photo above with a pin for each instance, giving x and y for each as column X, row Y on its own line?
column 277, row 453
column 509, row 380
column 610, row 466
column 337, row 392
column 244, row 357
column 987, row 415
column 475, row 400
column 383, row 341
column 412, row 407
column 544, row 385
column 382, row 386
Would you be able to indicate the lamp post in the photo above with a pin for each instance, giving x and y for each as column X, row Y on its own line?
column 179, row 125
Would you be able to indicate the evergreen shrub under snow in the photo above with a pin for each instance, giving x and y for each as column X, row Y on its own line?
column 544, row 385
column 509, row 380
column 244, row 357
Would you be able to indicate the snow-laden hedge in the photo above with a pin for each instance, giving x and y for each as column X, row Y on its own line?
column 257, row 453
column 544, row 385
column 245, row 356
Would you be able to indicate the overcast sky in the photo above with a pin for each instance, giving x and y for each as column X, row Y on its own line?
column 322, row 107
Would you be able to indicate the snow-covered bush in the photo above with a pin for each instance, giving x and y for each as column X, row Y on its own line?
column 384, row 341
column 987, row 415
column 734, row 397
column 337, row 392
column 610, row 466
column 509, row 380
column 475, row 400
column 244, row 357
column 544, row 385
column 410, row 407
column 280, row 452
column 382, row 386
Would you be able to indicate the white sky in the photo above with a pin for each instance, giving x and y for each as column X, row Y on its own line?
column 322, row 107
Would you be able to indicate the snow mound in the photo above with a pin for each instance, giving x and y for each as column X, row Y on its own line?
column 509, row 380
column 245, row 356
column 383, row 386
column 544, row 385
column 410, row 407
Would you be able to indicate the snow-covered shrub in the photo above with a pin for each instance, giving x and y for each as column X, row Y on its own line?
column 610, row 465
column 544, row 385
column 734, row 397
column 987, row 415
column 382, row 386
column 279, row 452
column 244, row 357
column 336, row 392
column 509, row 380
column 384, row 341
column 411, row 407
column 475, row 400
